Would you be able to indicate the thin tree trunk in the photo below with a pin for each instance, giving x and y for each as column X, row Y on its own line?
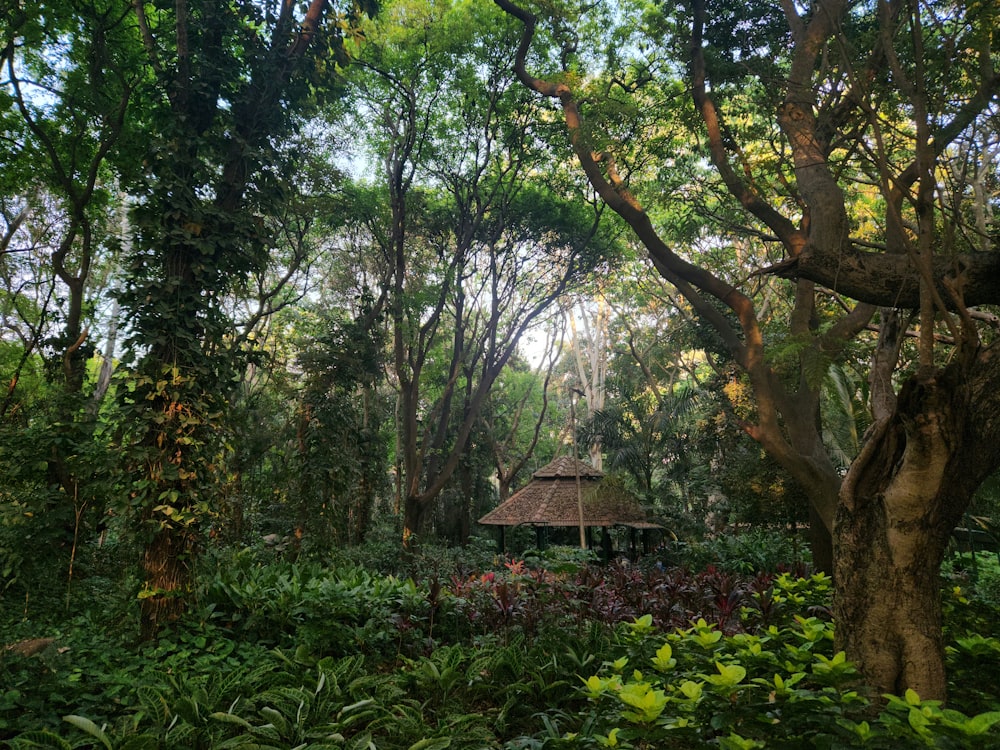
column 820, row 542
column 591, row 365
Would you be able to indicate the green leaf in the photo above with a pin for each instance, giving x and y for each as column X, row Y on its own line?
column 356, row 707
column 918, row 720
column 649, row 703
column 154, row 703
column 84, row 724
column 735, row 742
column 729, row 675
column 611, row 740
column 228, row 718
column 981, row 723
column 276, row 718
column 663, row 661
column 691, row 690
column 42, row 739
column 641, row 625
column 436, row 743
column 187, row 709
column 595, row 686
column 362, row 742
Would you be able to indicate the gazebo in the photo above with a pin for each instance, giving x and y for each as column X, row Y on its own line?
column 552, row 499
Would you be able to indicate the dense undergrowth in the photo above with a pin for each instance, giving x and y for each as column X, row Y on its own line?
column 547, row 651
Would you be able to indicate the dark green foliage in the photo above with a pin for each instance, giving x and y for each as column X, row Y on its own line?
column 519, row 657
column 381, row 553
column 325, row 611
column 58, row 479
column 342, row 434
column 745, row 551
column 100, row 674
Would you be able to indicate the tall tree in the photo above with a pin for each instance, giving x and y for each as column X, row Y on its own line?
column 869, row 97
column 341, row 432
column 590, row 354
column 517, row 411
column 478, row 247
column 70, row 77
column 230, row 83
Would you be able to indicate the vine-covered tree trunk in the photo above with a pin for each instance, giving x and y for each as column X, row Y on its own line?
column 227, row 88
column 903, row 496
column 165, row 563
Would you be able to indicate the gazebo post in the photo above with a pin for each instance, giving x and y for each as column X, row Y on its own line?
column 607, row 546
column 584, row 530
column 503, row 540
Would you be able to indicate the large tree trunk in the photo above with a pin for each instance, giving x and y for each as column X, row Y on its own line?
column 413, row 520
column 167, row 579
column 903, row 496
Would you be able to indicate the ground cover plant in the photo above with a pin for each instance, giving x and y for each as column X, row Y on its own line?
column 557, row 652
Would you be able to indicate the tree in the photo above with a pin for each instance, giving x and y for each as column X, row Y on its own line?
column 341, row 439
column 870, row 101
column 69, row 80
column 477, row 246
column 230, row 84
column 590, row 353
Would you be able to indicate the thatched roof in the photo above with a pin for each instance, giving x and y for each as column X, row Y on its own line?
column 550, row 499
column 565, row 467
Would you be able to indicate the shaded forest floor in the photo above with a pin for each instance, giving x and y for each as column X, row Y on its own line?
column 550, row 650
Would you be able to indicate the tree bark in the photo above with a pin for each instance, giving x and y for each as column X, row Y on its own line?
column 820, row 542
column 167, row 576
column 899, row 503
column 413, row 519
column 591, row 355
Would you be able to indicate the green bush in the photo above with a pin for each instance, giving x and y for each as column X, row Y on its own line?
column 781, row 688
column 561, row 559
column 329, row 611
column 754, row 550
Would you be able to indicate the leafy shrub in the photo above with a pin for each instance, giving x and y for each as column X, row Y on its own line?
column 330, row 611
column 533, row 601
column 754, row 550
column 780, row 688
column 381, row 552
column 100, row 673
column 561, row 559
column 977, row 573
